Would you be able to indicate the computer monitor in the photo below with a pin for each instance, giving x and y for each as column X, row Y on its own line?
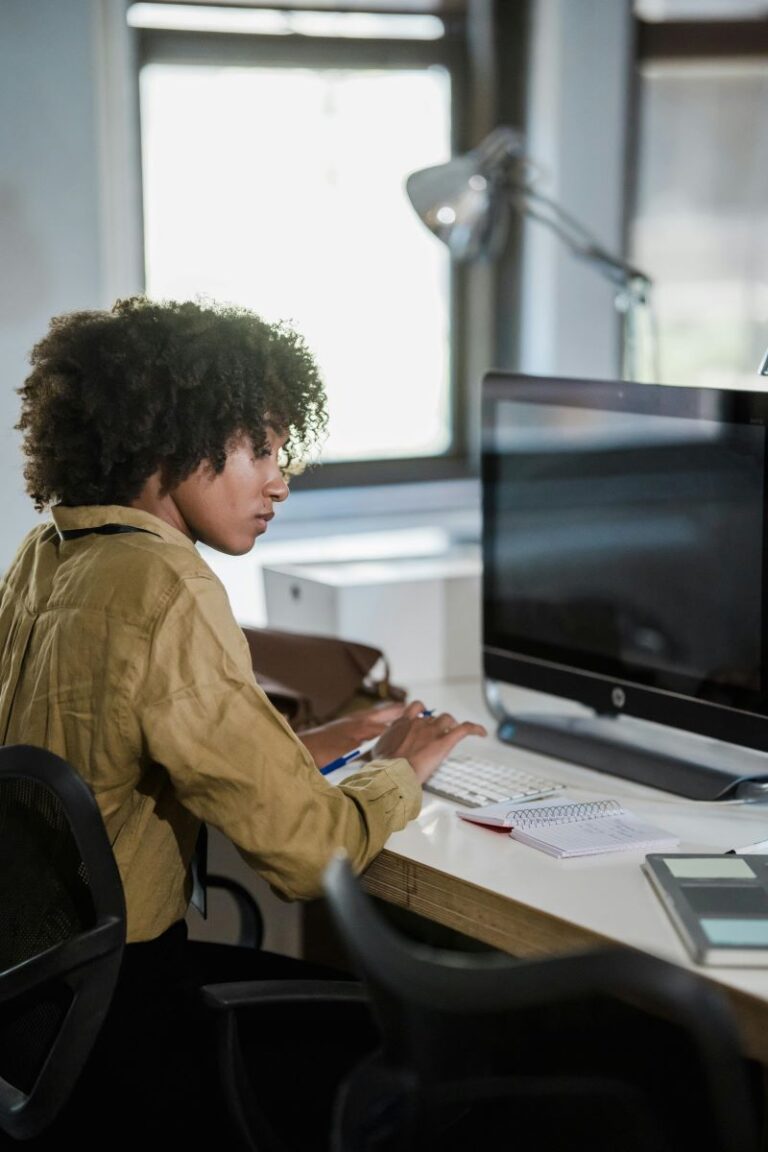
column 625, row 569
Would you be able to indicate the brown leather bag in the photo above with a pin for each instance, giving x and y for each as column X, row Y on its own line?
column 313, row 679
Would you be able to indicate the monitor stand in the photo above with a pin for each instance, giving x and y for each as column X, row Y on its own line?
column 648, row 753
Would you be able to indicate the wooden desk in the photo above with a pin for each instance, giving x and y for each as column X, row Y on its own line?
column 488, row 886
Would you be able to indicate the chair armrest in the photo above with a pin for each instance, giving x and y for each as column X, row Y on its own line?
column 302, row 1012
column 251, row 920
column 250, row 993
column 65, row 961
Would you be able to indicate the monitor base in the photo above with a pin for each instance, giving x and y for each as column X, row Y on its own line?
column 665, row 758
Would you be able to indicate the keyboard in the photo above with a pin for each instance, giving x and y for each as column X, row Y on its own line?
column 474, row 782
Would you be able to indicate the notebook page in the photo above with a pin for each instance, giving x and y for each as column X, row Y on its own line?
column 589, row 837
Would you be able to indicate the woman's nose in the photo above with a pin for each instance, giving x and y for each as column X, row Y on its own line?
column 277, row 488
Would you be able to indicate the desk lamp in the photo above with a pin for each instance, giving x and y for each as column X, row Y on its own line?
column 467, row 204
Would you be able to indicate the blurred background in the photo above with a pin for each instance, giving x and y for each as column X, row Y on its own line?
column 256, row 152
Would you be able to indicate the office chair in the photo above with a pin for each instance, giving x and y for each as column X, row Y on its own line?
column 62, row 932
column 607, row 1049
column 272, row 1105
column 250, row 919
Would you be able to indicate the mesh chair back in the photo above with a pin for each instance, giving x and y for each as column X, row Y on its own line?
column 62, row 932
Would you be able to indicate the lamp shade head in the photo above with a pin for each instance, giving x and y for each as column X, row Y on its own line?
column 463, row 202
column 457, row 203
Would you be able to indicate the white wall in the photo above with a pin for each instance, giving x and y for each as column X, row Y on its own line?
column 54, row 199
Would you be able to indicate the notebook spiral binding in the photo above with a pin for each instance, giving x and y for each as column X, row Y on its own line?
column 566, row 813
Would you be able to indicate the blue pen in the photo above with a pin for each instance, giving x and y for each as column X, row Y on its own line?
column 348, row 757
column 340, row 761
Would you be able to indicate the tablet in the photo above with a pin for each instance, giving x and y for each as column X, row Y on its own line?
column 718, row 904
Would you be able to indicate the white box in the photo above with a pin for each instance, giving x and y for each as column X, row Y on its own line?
column 424, row 613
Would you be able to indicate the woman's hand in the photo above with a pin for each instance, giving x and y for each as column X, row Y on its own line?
column 424, row 741
column 338, row 737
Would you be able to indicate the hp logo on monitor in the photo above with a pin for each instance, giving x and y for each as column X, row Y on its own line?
column 618, row 697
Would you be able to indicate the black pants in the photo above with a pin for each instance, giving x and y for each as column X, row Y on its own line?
column 154, row 1072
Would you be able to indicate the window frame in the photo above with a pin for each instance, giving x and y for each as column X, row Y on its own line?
column 459, row 461
column 700, row 39
column 691, row 40
column 659, row 40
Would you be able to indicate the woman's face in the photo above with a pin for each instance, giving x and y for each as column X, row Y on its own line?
column 230, row 510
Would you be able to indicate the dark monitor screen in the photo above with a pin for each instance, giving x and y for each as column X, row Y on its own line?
column 623, row 548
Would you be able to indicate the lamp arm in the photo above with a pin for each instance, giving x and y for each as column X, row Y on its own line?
column 633, row 286
column 580, row 242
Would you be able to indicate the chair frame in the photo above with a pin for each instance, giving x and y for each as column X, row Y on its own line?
column 250, row 917
column 254, row 1130
column 86, row 964
column 408, row 980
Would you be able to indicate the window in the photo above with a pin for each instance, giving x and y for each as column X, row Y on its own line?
column 274, row 164
column 700, row 225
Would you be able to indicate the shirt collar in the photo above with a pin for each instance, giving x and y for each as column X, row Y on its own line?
column 94, row 515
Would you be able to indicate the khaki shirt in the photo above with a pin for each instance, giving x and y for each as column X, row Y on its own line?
column 121, row 654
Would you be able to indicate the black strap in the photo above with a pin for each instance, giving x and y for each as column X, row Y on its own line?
column 103, row 530
column 199, row 872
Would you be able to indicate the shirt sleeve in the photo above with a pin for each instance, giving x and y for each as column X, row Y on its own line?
column 235, row 762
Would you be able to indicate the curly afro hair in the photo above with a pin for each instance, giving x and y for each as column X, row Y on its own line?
column 115, row 395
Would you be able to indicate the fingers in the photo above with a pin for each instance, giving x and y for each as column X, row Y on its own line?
column 414, row 710
column 459, row 731
column 444, row 724
column 431, row 740
column 438, row 724
column 424, row 740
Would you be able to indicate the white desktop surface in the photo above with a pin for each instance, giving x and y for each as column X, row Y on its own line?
column 605, row 896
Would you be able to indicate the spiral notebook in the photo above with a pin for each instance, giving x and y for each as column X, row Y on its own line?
column 573, row 829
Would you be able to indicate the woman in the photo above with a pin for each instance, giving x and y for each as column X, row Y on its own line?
column 149, row 428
